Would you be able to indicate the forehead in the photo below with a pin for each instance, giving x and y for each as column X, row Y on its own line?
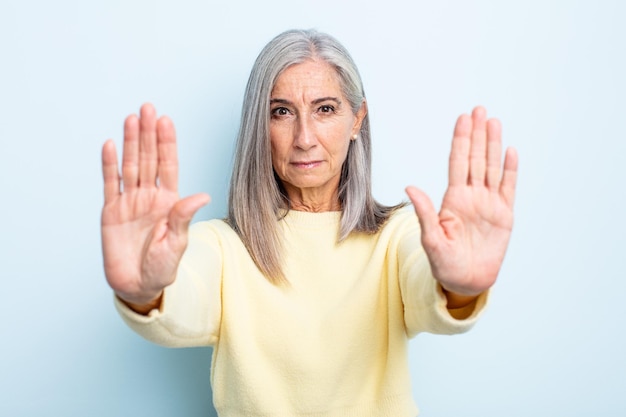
column 310, row 76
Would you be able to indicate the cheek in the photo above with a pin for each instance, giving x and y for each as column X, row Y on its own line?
column 275, row 146
column 279, row 156
column 338, row 144
column 344, row 152
column 279, row 138
column 276, row 159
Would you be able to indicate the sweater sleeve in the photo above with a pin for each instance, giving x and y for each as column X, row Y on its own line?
column 425, row 304
column 190, row 311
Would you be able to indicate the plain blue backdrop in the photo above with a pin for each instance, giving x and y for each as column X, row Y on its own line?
column 552, row 341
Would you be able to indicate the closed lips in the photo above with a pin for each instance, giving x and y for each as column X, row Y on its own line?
column 306, row 164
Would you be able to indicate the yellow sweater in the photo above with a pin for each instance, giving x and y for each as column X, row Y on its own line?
column 333, row 343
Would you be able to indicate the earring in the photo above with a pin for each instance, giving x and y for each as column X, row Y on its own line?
column 354, row 136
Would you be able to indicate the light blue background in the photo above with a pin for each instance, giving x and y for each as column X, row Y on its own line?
column 552, row 342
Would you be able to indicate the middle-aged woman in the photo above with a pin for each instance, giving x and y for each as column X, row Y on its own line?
column 310, row 289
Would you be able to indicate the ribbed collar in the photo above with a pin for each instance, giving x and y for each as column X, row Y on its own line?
column 304, row 219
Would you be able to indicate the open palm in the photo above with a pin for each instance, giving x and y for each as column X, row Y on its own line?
column 467, row 240
column 144, row 221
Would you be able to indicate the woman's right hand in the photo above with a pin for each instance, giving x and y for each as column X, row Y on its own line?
column 144, row 221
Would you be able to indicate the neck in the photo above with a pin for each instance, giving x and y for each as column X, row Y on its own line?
column 314, row 207
column 313, row 200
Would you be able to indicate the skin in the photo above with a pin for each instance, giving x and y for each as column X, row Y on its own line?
column 311, row 127
column 145, row 222
column 467, row 239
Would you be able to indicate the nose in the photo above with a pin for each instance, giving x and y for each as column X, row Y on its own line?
column 304, row 135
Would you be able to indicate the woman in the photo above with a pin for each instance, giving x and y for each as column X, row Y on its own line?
column 310, row 289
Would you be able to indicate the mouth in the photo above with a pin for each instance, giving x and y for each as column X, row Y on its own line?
column 306, row 164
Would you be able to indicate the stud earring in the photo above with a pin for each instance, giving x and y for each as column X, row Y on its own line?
column 354, row 136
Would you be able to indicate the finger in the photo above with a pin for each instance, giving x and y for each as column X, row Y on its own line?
column 181, row 214
column 148, row 161
column 494, row 153
column 478, row 147
column 168, row 158
column 110, row 171
column 130, row 159
column 426, row 214
column 459, row 155
column 509, row 178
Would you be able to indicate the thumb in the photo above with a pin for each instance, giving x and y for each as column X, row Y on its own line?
column 425, row 210
column 181, row 214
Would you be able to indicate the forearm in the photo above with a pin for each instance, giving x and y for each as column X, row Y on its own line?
column 181, row 317
column 187, row 312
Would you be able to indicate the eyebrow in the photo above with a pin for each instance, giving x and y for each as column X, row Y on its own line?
column 316, row 101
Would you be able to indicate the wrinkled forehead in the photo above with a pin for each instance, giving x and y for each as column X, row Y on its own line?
column 312, row 75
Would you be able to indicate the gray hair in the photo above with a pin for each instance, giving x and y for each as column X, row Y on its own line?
column 257, row 199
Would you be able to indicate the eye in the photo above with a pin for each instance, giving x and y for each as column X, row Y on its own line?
column 280, row 111
column 327, row 108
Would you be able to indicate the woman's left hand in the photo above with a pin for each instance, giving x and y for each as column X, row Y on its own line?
column 467, row 240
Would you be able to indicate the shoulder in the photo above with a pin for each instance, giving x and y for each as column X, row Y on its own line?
column 403, row 219
column 402, row 232
column 216, row 229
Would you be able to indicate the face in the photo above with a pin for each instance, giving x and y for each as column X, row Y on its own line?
column 311, row 125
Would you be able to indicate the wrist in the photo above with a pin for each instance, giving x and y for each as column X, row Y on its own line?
column 142, row 305
column 456, row 300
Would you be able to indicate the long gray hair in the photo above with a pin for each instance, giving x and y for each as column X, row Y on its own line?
column 257, row 199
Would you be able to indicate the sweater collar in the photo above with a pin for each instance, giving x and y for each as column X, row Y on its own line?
column 312, row 220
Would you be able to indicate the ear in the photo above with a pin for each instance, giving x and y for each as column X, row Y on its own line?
column 359, row 117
